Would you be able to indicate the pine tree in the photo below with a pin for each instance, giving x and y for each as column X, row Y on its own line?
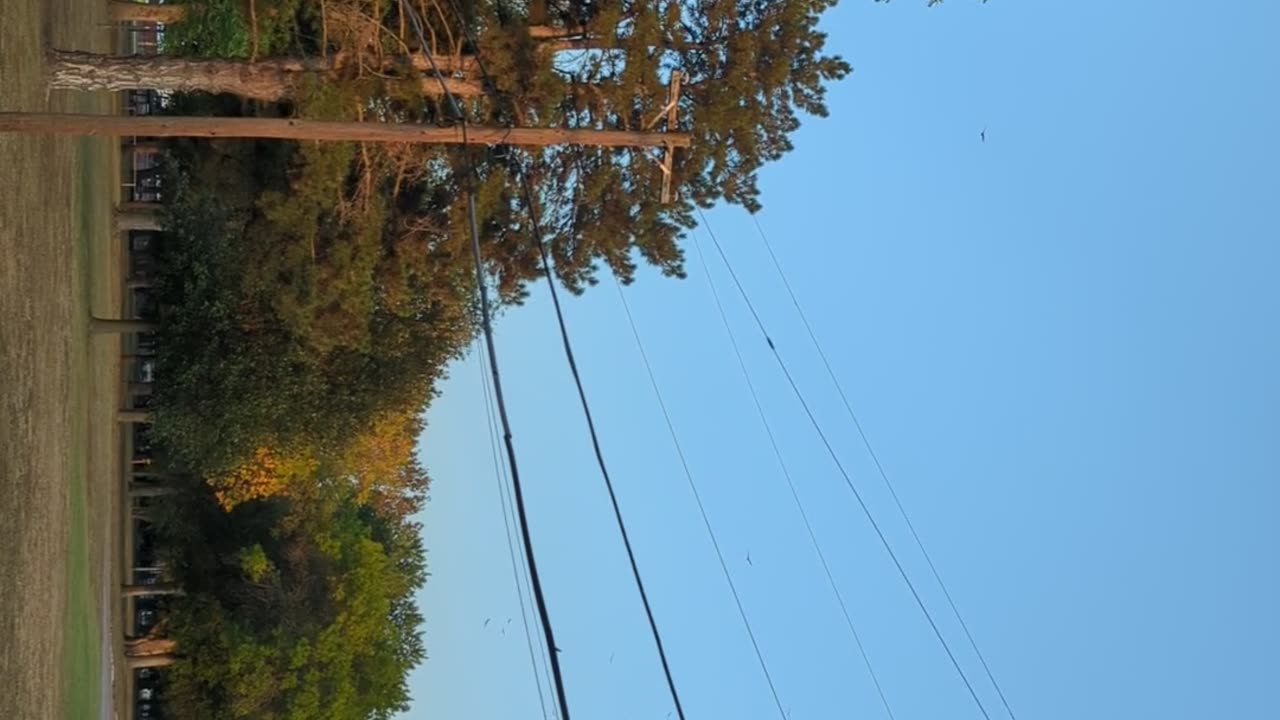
column 750, row 70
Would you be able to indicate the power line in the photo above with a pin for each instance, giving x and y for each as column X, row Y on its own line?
column 702, row 510
column 500, row 474
column 786, row 473
column 582, row 395
column 595, row 445
column 866, row 510
column 875, row 458
column 521, row 513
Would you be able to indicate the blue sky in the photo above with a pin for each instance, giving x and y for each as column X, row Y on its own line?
column 1061, row 341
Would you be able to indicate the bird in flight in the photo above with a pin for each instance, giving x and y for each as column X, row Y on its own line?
column 487, row 621
column 749, row 560
column 983, row 134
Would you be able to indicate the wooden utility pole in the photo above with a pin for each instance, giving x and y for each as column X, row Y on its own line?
column 143, row 146
column 292, row 129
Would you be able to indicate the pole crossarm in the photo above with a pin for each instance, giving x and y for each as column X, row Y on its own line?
column 669, row 155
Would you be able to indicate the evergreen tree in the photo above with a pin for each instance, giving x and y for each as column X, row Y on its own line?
column 750, row 70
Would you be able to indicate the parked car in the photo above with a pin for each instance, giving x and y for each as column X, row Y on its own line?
column 146, row 620
column 145, row 371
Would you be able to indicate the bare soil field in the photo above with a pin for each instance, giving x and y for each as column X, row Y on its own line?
column 59, row 462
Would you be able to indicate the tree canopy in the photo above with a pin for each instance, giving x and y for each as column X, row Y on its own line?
column 293, row 609
column 309, row 297
column 750, row 70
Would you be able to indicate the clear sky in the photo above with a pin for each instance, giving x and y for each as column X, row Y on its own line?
column 1062, row 342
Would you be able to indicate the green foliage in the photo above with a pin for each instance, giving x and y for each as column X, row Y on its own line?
column 212, row 28
column 279, row 28
column 294, row 609
column 310, row 296
column 282, row 323
column 255, row 564
column 749, row 71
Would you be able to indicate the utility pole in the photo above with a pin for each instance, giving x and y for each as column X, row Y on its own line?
column 293, row 129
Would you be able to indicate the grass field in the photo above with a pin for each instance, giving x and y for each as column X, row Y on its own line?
column 59, row 479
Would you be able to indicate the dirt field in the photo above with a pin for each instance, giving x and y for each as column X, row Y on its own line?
column 59, row 490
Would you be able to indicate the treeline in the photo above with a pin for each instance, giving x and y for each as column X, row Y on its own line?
column 295, row 356
column 308, row 297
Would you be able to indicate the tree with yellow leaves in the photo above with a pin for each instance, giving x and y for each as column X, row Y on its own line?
column 382, row 465
column 267, row 474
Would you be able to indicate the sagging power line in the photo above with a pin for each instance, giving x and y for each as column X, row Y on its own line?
column 519, row 579
column 848, row 479
column 875, row 459
column 786, row 474
column 697, row 497
column 535, row 227
column 521, row 514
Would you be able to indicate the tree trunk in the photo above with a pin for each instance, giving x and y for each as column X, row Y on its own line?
column 137, row 207
column 87, row 71
column 128, row 415
column 126, row 221
column 119, row 11
column 272, row 79
column 133, row 591
column 551, row 32
column 104, row 326
column 552, row 39
column 144, row 647
column 286, row 129
column 445, row 63
column 137, row 490
column 149, row 661
column 147, row 146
